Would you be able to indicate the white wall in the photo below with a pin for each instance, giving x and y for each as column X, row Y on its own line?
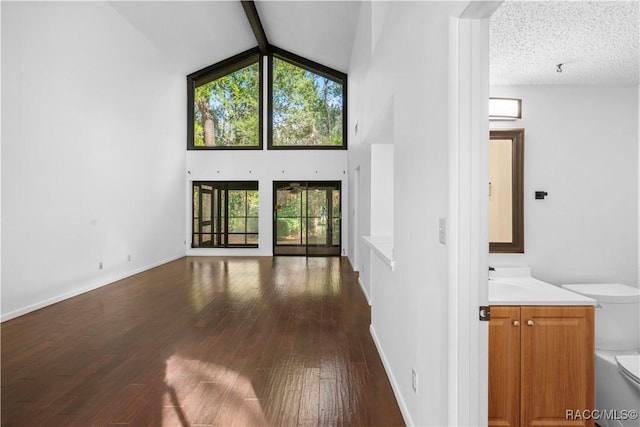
column 581, row 146
column 382, row 190
column 359, row 155
column 265, row 167
column 93, row 152
column 399, row 73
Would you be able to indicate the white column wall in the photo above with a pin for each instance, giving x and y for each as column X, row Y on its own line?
column 400, row 63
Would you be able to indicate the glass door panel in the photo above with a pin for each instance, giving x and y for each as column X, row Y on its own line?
column 237, row 218
column 288, row 215
column 317, row 217
column 307, row 218
column 206, row 217
column 336, row 218
column 218, row 217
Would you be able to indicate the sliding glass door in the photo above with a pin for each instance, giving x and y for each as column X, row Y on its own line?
column 307, row 218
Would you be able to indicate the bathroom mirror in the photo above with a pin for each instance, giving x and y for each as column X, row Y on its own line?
column 506, row 200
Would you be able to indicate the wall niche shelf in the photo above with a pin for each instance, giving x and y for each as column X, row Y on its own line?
column 383, row 247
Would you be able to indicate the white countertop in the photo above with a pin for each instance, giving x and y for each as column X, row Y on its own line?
column 525, row 290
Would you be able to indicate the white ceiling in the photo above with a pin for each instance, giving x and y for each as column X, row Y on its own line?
column 196, row 34
column 322, row 31
column 598, row 42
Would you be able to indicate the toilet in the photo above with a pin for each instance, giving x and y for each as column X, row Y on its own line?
column 617, row 352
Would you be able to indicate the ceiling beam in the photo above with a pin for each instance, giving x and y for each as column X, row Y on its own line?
column 250, row 10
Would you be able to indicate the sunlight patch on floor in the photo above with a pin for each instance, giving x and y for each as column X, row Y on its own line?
column 199, row 392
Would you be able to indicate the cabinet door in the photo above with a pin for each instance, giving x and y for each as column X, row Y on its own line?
column 557, row 365
column 504, row 366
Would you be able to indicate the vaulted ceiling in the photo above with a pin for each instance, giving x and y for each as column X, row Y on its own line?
column 322, row 31
column 199, row 33
column 598, row 42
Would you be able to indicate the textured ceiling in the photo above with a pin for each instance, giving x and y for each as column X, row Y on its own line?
column 598, row 42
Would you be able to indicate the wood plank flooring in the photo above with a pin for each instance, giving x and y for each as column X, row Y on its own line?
column 201, row 341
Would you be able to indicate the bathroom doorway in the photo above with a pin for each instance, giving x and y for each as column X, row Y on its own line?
column 307, row 218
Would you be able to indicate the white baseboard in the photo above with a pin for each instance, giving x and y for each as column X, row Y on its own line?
column 90, row 287
column 364, row 291
column 353, row 267
column 394, row 384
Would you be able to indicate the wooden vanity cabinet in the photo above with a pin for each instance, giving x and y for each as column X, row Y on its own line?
column 541, row 364
column 504, row 366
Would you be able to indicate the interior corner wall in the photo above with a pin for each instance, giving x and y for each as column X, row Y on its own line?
column 93, row 153
column 359, row 153
column 581, row 146
column 399, row 69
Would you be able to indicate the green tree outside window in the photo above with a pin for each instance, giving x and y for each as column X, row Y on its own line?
column 227, row 110
column 307, row 107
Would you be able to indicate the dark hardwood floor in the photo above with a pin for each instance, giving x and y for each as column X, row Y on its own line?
column 202, row 341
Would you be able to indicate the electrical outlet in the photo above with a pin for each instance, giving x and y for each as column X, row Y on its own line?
column 100, row 265
column 414, row 381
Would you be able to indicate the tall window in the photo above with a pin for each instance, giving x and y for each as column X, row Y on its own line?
column 225, row 104
column 225, row 214
column 306, row 104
